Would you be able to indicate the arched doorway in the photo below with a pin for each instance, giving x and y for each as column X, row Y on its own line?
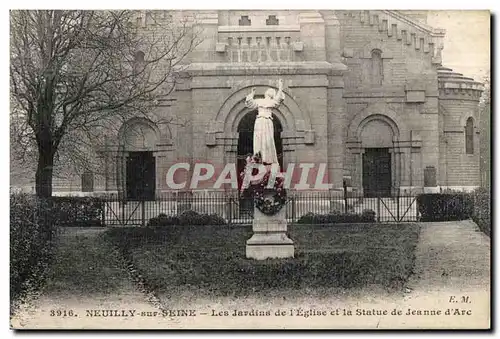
column 376, row 138
column 245, row 149
column 137, row 166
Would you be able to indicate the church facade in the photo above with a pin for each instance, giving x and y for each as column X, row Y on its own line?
column 365, row 93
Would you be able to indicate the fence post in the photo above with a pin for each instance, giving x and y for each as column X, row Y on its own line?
column 103, row 213
column 123, row 203
column 143, row 213
column 230, row 212
column 378, row 208
column 345, row 196
column 397, row 203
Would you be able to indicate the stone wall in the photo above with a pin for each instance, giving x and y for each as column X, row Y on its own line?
column 406, row 94
column 344, row 71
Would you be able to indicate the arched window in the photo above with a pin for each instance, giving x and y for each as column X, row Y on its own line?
column 377, row 67
column 138, row 61
column 469, row 136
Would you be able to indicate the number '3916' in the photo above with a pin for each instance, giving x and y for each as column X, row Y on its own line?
column 62, row 313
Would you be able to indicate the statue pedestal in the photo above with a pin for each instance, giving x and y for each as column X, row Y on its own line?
column 269, row 239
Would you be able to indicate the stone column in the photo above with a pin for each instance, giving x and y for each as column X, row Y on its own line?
column 397, row 169
column 357, row 177
column 416, row 156
column 121, row 163
column 336, row 130
column 312, row 32
column 289, row 148
column 230, row 149
column 206, row 22
column 393, row 169
column 336, row 109
column 111, row 175
column 405, row 167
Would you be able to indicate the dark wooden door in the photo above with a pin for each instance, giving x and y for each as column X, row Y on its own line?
column 377, row 172
column 141, row 176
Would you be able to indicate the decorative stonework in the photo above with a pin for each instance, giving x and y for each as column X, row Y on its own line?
column 415, row 92
column 399, row 27
column 455, row 86
column 368, row 49
column 415, row 96
column 245, row 21
column 272, row 20
column 296, row 123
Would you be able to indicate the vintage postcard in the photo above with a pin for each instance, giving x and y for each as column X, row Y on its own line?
column 250, row 169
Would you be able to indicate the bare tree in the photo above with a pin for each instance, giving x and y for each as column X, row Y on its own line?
column 75, row 73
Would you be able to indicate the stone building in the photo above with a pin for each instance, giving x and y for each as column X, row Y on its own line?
column 365, row 92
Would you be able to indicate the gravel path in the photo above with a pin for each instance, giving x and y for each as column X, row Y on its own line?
column 452, row 255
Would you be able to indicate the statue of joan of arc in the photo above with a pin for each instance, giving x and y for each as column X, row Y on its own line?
column 263, row 135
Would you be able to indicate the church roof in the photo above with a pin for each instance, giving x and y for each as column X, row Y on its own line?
column 450, row 80
column 446, row 74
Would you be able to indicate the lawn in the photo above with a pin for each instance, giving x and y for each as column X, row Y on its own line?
column 212, row 259
column 84, row 264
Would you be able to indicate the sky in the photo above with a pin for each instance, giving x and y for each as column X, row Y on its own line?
column 467, row 41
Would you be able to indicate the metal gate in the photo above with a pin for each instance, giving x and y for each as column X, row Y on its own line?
column 395, row 208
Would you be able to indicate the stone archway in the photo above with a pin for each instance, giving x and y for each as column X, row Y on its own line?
column 245, row 129
column 143, row 150
column 223, row 131
column 378, row 161
column 136, row 161
column 138, row 134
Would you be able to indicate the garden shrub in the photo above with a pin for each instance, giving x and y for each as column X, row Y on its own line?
column 77, row 211
column 337, row 217
column 368, row 215
column 32, row 231
column 445, row 206
column 163, row 220
column 186, row 218
column 482, row 209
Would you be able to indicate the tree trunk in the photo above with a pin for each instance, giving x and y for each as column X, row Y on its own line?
column 44, row 173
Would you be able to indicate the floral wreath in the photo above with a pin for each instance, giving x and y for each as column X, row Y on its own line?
column 268, row 200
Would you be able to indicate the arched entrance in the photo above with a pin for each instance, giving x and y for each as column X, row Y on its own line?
column 377, row 140
column 245, row 139
column 230, row 134
column 380, row 150
column 245, row 149
column 137, row 168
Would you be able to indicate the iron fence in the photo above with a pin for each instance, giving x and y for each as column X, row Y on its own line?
column 237, row 210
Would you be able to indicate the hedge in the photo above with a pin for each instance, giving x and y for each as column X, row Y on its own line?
column 337, row 217
column 482, row 209
column 445, row 206
column 77, row 211
column 31, row 242
column 186, row 218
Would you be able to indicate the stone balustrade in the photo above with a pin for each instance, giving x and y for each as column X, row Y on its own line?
column 256, row 45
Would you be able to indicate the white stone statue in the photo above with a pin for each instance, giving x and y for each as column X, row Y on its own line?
column 263, row 135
